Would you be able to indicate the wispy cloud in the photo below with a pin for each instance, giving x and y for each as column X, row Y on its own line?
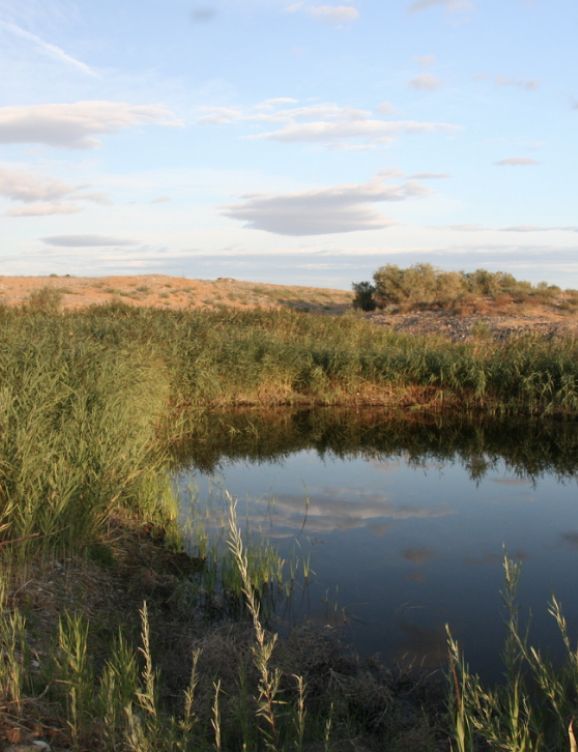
column 76, row 125
column 333, row 14
column 341, row 209
column 538, row 228
column 43, row 209
column 425, row 82
column 203, row 14
column 42, row 195
column 328, row 124
column 451, row 5
column 514, row 228
column 527, row 84
column 429, row 176
column 517, row 162
column 87, row 241
column 52, row 50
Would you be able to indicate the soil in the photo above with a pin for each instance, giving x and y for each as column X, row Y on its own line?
column 499, row 325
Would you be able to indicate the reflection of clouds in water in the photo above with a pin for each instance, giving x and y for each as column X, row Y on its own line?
column 571, row 539
column 385, row 466
column 379, row 528
column 418, row 555
column 338, row 509
column 512, row 481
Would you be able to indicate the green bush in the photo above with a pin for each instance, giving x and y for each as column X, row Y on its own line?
column 364, row 298
column 424, row 286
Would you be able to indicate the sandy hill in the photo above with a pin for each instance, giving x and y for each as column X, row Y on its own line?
column 173, row 292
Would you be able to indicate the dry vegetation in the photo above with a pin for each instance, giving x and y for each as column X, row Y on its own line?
column 540, row 310
column 176, row 293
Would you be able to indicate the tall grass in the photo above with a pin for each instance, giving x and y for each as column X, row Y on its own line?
column 534, row 708
column 90, row 401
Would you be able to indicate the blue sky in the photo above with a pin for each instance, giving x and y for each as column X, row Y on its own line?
column 293, row 142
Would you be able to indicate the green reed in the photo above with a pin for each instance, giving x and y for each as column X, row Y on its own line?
column 89, row 401
column 533, row 708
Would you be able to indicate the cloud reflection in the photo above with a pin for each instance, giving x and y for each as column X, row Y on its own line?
column 334, row 509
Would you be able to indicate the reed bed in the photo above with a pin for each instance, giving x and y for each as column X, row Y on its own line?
column 90, row 401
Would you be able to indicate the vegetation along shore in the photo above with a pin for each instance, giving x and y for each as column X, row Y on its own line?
column 114, row 639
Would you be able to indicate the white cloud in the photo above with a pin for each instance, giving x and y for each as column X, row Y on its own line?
column 370, row 130
column 47, row 48
column 520, row 83
column 537, row 228
column 451, row 5
column 333, row 14
column 515, row 228
column 86, row 241
column 426, row 60
column 20, row 185
column 325, row 123
column 386, row 108
column 76, row 125
column 425, row 82
column 342, row 209
column 429, row 176
column 43, row 209
column 42, row 195
column 517, row 162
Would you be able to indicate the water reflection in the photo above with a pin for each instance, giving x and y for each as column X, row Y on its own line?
column 405, row 522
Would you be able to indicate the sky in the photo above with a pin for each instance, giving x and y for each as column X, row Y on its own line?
column 295, row 142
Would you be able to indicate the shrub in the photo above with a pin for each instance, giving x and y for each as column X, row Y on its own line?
column 424, row 286
column 45, row 300
column 364, row 296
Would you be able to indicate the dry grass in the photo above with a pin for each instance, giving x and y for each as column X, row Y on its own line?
column 177, row 293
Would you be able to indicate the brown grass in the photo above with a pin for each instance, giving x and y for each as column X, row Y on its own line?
column 163, row 291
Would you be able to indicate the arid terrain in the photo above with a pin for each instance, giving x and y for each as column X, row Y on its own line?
column 175, row 293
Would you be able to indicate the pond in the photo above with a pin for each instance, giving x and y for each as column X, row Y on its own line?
column 403, row 521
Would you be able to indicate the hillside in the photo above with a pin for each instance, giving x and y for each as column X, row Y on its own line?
column 172, row 293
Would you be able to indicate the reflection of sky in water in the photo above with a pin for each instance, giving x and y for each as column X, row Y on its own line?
column 411, row 547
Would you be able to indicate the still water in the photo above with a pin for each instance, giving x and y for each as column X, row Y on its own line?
column 404, row 524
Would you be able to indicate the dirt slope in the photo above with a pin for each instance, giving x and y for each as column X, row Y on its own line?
column 173, row 292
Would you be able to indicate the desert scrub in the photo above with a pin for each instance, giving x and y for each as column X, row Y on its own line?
column 45, row 299
column 423, row 286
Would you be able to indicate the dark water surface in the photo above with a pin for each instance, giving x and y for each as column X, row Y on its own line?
column 404, row 521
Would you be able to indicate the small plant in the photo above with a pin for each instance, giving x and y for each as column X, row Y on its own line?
column 45, row 300
column 269, row 679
